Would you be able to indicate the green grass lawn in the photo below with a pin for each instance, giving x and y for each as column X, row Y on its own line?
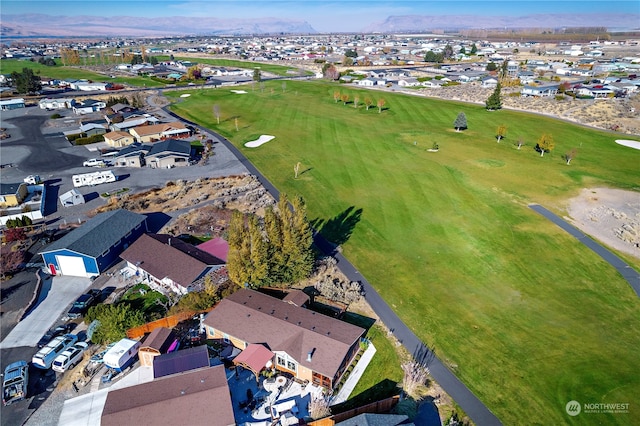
column 524, row 314
column 7, row 66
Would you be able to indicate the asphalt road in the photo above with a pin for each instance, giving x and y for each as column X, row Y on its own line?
column 627, row 272
column 471, row 405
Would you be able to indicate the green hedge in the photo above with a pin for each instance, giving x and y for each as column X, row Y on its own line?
column 89, row 140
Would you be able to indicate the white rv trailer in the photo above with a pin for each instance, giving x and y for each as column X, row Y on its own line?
column 95, row 178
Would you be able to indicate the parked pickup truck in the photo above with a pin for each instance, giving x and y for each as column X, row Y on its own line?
column 15, row 382
column 83, row 303
column 94, row 162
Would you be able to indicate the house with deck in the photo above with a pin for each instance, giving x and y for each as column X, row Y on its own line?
column 310, row 346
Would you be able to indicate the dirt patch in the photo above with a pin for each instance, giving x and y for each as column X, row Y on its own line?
column 609, row 215
column 207, row 202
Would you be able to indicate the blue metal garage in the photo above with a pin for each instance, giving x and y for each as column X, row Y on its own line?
column 90, row 249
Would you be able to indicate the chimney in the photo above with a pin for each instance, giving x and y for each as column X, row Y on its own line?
column 310, row 354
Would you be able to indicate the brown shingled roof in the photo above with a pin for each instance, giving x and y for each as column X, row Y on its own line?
column 165, row 256
column 159, row 339
column 197, row 397
column 257, row 318
column 159, row 128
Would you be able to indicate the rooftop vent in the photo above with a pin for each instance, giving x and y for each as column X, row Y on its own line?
column 310, row 354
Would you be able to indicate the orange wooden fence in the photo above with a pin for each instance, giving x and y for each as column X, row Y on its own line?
column 169, row 322
column 382, row 406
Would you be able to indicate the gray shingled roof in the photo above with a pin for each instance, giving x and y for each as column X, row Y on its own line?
column 9, row 188
column 99, row 233
column 170, row 146
column 370, row 419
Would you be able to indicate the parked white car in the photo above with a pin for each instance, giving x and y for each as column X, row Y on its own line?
column 69, row 358
column 94, row 162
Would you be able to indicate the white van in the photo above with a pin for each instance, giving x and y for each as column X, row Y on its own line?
column 122, row 354
column 45, row 356
column 69, row 358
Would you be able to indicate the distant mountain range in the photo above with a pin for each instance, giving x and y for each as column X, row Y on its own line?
column 617, row 21
column 39, row 25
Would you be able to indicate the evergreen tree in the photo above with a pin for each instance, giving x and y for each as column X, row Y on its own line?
column 461, row 122
column 494, row 102
column 474, row 49
column 26, row 81
column 303, row 239
column 258, row 266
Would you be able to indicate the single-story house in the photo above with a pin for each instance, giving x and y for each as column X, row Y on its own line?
column 60, row 103
column 409, row 82
column 432, row 84
column 87, row 106
column 71, row 198
column 306, row 344
column 118, row 139
column 169, row 153
column 9, row 104
column 158, row 342
column 545, row 91
column 489, row 82
column 167, row 263
column 132, row 155
column 180, row 361
column 93, row 247
column 12, row 194
column 134, row 121
column 160, row 131
column 92, row 129
column 197, row 397
column 370, row 82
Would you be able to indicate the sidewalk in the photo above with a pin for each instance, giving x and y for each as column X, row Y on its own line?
column 354, row 377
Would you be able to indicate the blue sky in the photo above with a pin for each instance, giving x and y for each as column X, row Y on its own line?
column 322, row 15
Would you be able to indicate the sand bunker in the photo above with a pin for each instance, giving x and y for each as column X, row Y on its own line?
column 186, row 95
column 630, row 144
column 239, row 92
column 261, row 140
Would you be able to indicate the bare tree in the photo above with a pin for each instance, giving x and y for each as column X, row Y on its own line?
column 235, row 120
column 380, row 104
column 284, row 86
column 216, row 112
column 570, row 156
column 319, row 407
column 356, row 101
column 296, row 170
column 520, row 143
column 415, row 379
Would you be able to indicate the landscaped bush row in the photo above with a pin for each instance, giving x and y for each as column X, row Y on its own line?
column 89, row 140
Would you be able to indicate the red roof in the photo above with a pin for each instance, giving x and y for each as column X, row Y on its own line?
column 217, row 247
column 254, row 357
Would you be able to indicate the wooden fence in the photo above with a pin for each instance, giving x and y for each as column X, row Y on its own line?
column 382, row 406
column 169, row 322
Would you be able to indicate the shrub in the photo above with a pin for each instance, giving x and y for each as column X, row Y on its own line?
column 88, row 140
column 56, row 115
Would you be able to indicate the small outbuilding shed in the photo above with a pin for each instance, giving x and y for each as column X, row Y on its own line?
column 158, row 342
column 71, row 198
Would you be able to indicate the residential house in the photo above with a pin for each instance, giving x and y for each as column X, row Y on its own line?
column 12, row 194
column 87, row 106
column 489, row 82
column 91, row 129
column 169, row 264
column 408, row 82
column 526, row 77
column 93, row 247
column 160, row 131
column 118, row 139
column 432, row 84
column 9, row 104
column 370, row 82
column 169, row 153
column 196, row 397
column 306, row 344
column 59, row 103
column 217, row 247
column 543, row 91
column 132, row 155
column 130, row 123
column 596, row 92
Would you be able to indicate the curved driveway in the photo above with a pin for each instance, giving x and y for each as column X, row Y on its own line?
column 628, row 273
column 471, row 405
